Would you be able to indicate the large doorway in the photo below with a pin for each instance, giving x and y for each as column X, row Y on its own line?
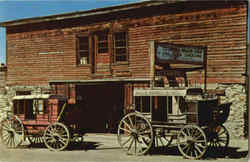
column 103, row 106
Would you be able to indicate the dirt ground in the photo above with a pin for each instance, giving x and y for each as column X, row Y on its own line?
column 104, row 148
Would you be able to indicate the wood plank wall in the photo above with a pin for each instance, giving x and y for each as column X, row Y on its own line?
column 38, row 53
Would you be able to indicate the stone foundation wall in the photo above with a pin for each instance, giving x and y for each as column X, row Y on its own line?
column 236, row 94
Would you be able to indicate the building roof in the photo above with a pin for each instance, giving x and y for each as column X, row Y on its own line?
column 92, row 12
column 97, row 12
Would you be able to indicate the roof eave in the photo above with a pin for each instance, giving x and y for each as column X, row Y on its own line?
column 78, row 14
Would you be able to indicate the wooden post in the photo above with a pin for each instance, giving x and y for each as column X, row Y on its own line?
column 205, row 73
column 151, row 51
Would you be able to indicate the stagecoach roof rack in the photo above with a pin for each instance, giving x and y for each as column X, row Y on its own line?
column 39, row 96
column 160, row 91
column 36, row 96
column 167, row 91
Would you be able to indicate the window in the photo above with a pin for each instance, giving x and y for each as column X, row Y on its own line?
column 83, row 50
column 102, row 42
column 142, row 104
column 120, row 46
column 90, row 46
column 40, row 106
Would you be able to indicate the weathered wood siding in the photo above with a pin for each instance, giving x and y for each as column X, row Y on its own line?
column 38, row 53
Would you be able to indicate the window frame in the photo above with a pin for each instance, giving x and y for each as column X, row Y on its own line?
column 114, row 47
column 93, row 44
column 78, row 56
column 107, row 41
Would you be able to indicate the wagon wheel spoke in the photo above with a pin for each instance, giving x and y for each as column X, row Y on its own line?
column 140, row 148
column 186, row 146
column 35, row 140
column 63, row 141
column 5, row 126
column 192, row 142
column 161, row 140
column 135, row 134
column 131, row 144
column 56, row 137
column 129, row 127
column 197, row 148
column 131, row 122
column 126, row 141
column 219, row 139
column 125, row 130
column 12, row 131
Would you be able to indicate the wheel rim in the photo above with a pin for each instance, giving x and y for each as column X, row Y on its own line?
column 218, row 138
column 192, row 142
column 56, row 137
column 12, row 131
column 135, row 134
column 161, row 141
column 35, row 140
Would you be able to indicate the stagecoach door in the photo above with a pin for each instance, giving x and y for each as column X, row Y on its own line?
column 160, row 108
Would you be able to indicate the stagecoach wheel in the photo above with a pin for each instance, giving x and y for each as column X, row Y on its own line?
column 135, row 134
column 12, row 131
column 36, row 139
column 192, row 142
column 56, row 137
column 161, row 141
column 218, row 138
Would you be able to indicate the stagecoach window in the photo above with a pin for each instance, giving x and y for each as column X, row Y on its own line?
column 39, row 106
column 19, row 107
column 142, row 103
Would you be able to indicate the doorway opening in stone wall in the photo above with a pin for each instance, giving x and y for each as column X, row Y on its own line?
column 103, row 106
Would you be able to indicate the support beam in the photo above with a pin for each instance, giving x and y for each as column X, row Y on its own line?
column 151, row 51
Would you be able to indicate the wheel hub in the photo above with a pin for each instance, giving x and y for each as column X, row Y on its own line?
column 11, row 133
column 190, row 140
column 134, row 133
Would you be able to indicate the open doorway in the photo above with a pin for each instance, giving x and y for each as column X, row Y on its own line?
column 103, row 106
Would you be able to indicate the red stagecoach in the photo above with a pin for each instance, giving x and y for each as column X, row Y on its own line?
column 42, row 118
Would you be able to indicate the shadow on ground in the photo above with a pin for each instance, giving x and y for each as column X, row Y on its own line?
column 212, row 153
column 74, row 146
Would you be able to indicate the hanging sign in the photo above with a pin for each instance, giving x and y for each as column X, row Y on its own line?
column 171, row 53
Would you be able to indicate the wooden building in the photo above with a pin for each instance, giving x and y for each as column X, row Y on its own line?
column 97, row 57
